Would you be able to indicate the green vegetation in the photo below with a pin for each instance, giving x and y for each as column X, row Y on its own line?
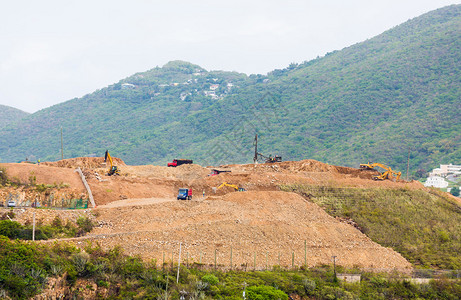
column 9, row 115
column 3, row 176
column 25, row 267
column 372, row 101
column 56, row 229
column 455, row 191
column 424, row 227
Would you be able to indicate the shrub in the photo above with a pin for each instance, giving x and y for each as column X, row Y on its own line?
column 262, row 292
column 11, row 229
column 3, row 176
column 210, row 279
column 85, row 224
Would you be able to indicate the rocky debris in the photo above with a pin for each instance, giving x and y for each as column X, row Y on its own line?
column 98, row 177
column 103, row 223
column 350, row 222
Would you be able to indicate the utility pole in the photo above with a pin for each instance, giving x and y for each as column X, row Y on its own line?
column 33, row 226
column 334, row 264
column 255, row 158
column 62, row 148
column 179, row 263
column 408, row 162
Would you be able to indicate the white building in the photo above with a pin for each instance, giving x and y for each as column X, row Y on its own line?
column 128, row 86
column 436, row 181
column 455, row 169
column 444, row 170
column 214, row 87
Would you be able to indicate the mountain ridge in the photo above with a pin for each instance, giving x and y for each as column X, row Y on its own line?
column 10, row 115
column 374, row 100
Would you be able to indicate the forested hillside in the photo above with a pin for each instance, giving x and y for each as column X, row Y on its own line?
column 373, row 101
column 9, row 115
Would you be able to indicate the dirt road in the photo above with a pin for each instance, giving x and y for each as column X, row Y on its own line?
column 136, row 202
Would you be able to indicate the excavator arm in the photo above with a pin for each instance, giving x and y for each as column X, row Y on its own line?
column 387, row 174
column 113, row 170
column 235, row 187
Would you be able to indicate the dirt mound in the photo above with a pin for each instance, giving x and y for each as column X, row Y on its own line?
column 360, row 173
column 182, row 172
column 308, row 165
column 270, row 225
column 84, row 162
column 304, row 167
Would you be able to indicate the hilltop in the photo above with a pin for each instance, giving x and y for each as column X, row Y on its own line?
column 372, row 101
column 10, row 115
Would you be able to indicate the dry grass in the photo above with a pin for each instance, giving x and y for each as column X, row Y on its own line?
column 424, row 226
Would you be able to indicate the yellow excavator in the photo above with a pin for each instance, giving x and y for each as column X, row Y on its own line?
column 387, row 174
column 235, row 187
column 113, row 170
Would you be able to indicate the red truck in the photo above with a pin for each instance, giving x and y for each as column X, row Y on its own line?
column 178, row 162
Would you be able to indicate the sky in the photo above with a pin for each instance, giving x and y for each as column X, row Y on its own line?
column 52, row 50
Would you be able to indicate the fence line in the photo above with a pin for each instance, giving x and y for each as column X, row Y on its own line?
column 261, row 260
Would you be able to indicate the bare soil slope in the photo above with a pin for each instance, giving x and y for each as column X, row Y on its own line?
column 268, row 223
column 58, row 186
column 42, row 174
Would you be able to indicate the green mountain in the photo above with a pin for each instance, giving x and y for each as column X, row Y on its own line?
column 126, row 117
column 374, row 101
column 10, row 115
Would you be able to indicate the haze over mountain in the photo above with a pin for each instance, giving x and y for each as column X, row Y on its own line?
column 372, row 101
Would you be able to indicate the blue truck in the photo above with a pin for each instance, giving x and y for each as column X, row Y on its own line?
column 185, row 194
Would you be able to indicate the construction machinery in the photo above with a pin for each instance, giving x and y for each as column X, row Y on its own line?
column 113, row 170
column 184, row 194
column 267, row 159
column 387, row 174
column 178, row 162
column 215, row 172
column 235, row 187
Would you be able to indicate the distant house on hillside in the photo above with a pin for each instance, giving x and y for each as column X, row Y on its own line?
column 128, row 86
column 436, row 181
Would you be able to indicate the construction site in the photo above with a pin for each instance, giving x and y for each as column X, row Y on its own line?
column 237, row 216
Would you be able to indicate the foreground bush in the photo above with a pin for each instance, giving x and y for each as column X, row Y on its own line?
column 56, row 229
column 25, row 268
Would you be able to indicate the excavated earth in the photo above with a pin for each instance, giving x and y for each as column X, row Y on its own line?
column 259, row 227
column 274, row 226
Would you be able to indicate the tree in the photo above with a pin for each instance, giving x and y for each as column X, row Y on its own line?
column 455, row 191
column 420, row 173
